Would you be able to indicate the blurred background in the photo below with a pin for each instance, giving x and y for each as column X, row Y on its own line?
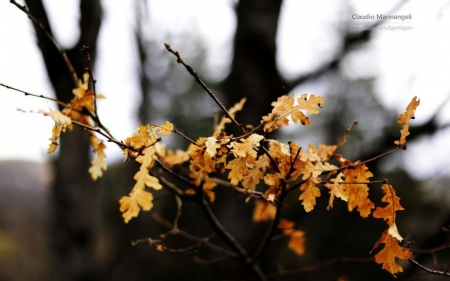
column 56, row 224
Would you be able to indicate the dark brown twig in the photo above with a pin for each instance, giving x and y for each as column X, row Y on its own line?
column 37, row 96
column 52, row 39
column 203, row 85
column 429, row 270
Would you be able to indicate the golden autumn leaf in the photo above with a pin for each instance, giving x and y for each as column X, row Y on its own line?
column 56, row 131
column 263, row 211
column 255, row 175
column 297, row 242
column 239, row 169
column 356, row 187
column 58, row 117
column 296, row 237
column 131, row 205
column 388, row 212
column 98, row 164
column 404, row 118
column 211, row 146
column 139, row 197
column 284, row 107
column 315, row 170
column 391, row 250
column 336, row 190
column 246, row 147
column 79, row 92
column 208, row 187
column 309, row 194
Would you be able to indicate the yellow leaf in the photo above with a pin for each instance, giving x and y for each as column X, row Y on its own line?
column 356, row 188
column 388, row 212
column 208, row 186
column 98, row 163
column 263, row 211
column 58, row 117
column 130, row 205
column 389, row 252
column 284, row 107
column 404, row 118
column 309, row 194
column 82, row 86
column 246, row 147
column 56, row 131
column 297, row 242
column 211, row 146
column 239, row 169
column 336, row 190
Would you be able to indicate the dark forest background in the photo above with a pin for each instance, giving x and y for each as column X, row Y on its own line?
column 70, row 228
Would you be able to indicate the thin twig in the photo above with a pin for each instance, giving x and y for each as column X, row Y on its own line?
column 203, row 85
column 269, row 234
column 185, row 137
column 429, row 270
column 193, row 238
column 228, row 238
column 37, row 96
column 52, row 39
column 95, row 116
column 248, row 192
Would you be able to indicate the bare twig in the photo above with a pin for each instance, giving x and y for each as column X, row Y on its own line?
column 270, row 233
column 247, row 192
column 52, row 39
column 37, row 96
column 94, row 116
column 203, row 85
column 429, row 270
column 184, row 234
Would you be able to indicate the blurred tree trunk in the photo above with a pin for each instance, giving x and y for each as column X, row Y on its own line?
column 73, row 195
column 254, row 72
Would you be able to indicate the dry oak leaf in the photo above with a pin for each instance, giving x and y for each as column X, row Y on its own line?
column 98, row 164
column 296, row 237
column 336, row 190
column 56, row 131
column 297, row 242
column 315, row 170
column 170, row 158
column 263, row 211
column 404, row 118
column 61, row 123
column 82, row 86
column 146, row 136
column 208, row 187
column 239, row 169
column 139, row 197
column 246, row 147
column 389, row 252
column 356, row 188
column 309, row 194
column 58, row 117
column 285, row 107
column 388, row 212
column 131, row 205
column 255, row 175
column 211, row 146
column 201, row 164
